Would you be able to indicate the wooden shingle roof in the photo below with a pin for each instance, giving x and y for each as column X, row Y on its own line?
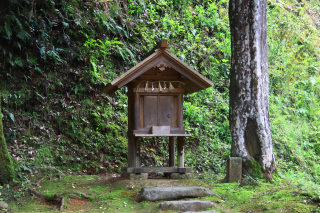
column 194, row 80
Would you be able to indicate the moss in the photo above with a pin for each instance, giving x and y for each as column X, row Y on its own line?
column 256, row 169
column 6, row 166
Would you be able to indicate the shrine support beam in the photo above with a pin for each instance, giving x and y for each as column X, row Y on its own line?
column 180, row 147
column 171, row 151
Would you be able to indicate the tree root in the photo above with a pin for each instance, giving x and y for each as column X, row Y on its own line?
column 74, row 196
column 50, row 167
column 37, row 194
column 38, row 182
column 78, row 195
column 49, row 176
column 42, row 196
column 62, row 200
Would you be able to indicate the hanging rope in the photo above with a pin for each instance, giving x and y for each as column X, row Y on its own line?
column 159, row 85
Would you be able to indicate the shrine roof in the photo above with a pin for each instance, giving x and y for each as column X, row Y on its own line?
column 194, row 80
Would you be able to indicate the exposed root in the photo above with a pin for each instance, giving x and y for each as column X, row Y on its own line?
column 74, row 196
column 50, row 167
column 49, row 175
column 62, row 200
column 36, row 193
column 42, row 196
column 81, row 195
column 38, row 182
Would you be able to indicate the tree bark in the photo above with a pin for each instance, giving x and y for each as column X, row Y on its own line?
column 6, row 164
column 249, row 89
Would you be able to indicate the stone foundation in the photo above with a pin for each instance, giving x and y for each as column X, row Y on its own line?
column 133, row 176
column 181, row 176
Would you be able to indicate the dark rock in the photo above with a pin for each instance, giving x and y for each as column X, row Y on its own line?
column 248, row 182
column 3, row 205
column 186, row 205
column 172, row 193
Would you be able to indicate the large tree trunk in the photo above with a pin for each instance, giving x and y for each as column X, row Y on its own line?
column 6, row 164
column 249, row 90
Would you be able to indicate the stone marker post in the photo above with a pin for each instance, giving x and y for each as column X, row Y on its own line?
column 234, row 169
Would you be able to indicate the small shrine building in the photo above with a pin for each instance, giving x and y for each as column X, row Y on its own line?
column 156, row 87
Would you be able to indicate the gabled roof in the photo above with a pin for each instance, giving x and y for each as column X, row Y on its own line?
column 194, row 80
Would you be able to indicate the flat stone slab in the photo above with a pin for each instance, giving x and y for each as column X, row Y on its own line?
column 3, row 205
column 172, row 193
column 186, row 205
column 209, row 211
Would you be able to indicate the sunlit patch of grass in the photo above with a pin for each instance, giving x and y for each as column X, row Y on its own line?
column 265, row 197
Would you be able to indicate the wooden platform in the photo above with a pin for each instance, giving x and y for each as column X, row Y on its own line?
column 139, row 170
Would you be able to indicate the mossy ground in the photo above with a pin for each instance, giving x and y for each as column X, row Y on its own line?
column 114, row 194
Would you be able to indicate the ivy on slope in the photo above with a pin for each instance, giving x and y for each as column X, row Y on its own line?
column 57, row 55
column 294, row 53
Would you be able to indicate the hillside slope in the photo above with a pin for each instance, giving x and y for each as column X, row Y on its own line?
column 56, row 56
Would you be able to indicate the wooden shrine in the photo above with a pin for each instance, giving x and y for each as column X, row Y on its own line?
column 155, row 105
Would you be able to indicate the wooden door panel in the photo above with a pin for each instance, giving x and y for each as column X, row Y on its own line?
column 166, row 111
column 150, row 115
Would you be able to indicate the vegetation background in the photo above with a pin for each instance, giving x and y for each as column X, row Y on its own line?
column 56, row 56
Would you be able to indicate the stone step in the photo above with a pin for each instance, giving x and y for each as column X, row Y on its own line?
column 172, row 193
column 3, row 205
column 193, row 205
column 209, row 211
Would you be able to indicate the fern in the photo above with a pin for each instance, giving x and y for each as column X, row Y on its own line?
column 8, row 28
column 18, row 62
column 53, row 54
column 18, row 44
column 11, row 116
column 23, row 35
column 3, row 50
column 120, row 51
column 43, row 53
column 130, row 53
column 17, row 20
column 11, row 62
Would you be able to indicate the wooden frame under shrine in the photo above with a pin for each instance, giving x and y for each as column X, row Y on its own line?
column 155, row 105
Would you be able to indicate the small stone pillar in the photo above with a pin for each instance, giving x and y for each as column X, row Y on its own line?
column 234, row 169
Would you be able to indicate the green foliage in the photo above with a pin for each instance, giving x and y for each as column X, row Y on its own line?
column 294, row 86
column 256, row 168
column 6, row 166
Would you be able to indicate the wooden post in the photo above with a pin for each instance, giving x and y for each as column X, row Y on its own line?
column 130, row 151
column 136, row 111
column 136, row 152
column 180, row 146
column 171, row 151
column 180, row 111
column 130, row 106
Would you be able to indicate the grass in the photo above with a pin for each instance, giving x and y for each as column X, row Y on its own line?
column 107, row 194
